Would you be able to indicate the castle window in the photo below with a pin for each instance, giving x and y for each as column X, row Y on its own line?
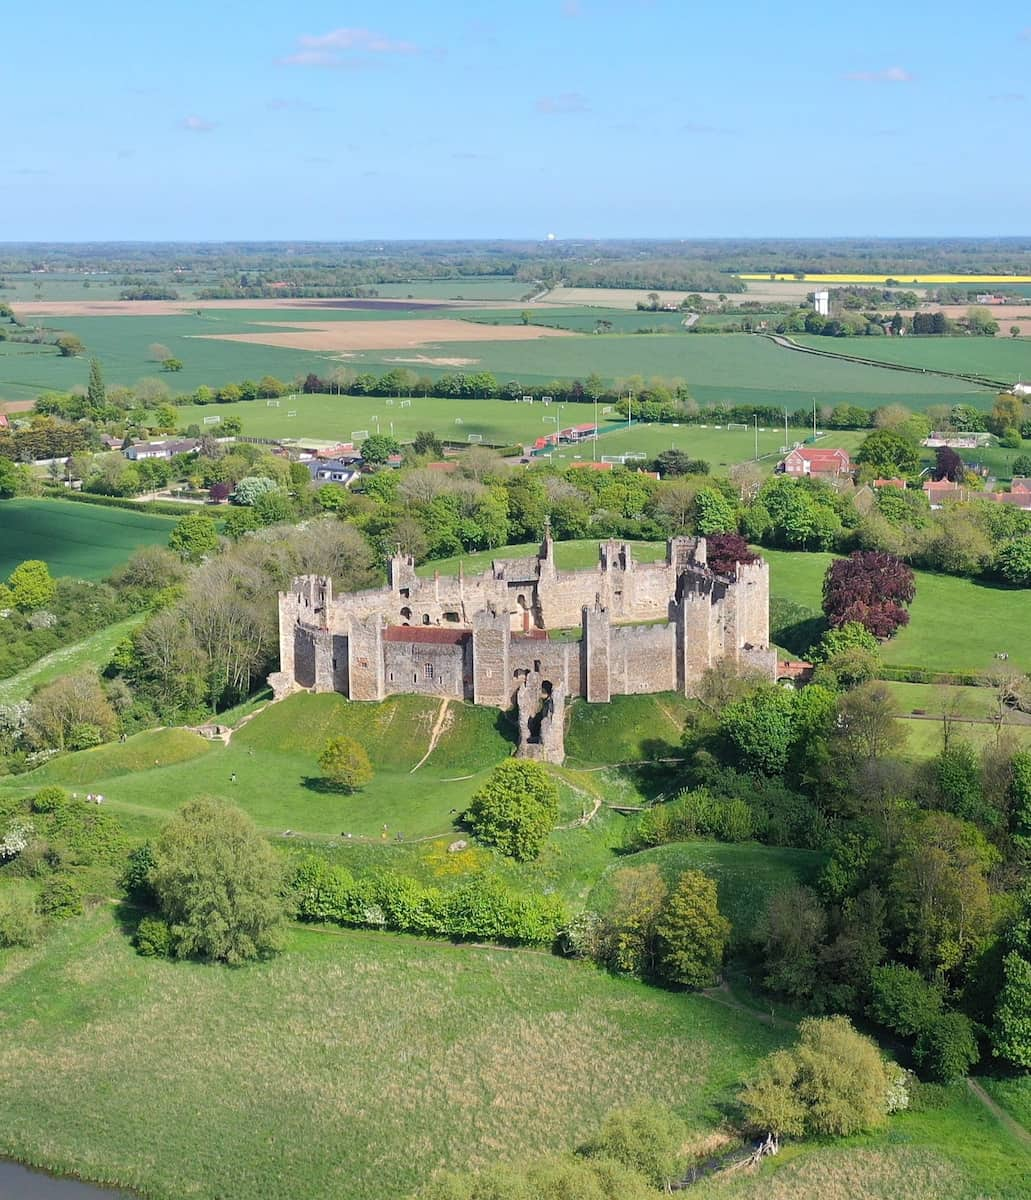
column 427, row 670
column 537, row 664
column 415, row 679
column 391, row 676
column 404, row 593
column 334, row 664
column 406, row 614
column 363, row 663
column 425, row 618
column 451, row 616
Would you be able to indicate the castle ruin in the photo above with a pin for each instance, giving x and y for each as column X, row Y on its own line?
column 528, row 634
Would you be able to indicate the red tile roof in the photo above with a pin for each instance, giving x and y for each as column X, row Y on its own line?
column 425, row 634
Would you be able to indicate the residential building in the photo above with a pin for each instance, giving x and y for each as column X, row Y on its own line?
column 809, row 460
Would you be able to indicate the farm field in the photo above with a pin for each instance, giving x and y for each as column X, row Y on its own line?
column 467, row 287
column 83, row 540
column 739, row 369
column 956, row 624
column 1003, row 358
column 262, row 1082
column 1001, row 280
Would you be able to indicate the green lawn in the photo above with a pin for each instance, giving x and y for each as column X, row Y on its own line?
column 84, row 540
column 628, row 729
column 955, row 624
column 355, row 1065
column 1014, row 1094
column 94, row 651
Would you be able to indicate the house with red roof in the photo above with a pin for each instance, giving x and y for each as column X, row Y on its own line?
column 938, row 491
column 4, row 421
column 811, row 460
column 890, row 483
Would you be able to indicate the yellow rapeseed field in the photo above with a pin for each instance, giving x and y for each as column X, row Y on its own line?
column 897, row 278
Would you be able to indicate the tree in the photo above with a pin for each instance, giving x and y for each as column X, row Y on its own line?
column 217, row 882
column 516, row 809
column 158, row 352
column 172, row 364
column 194, row 537
column 376, row 449
column 1007, row 413
column 946, row 1048
column 949, row 465
column 716, row 514
column 1022, row 465
column 1014, row 331
column 251, row 487
column 692, row 934
column 73, row 709
column 833, row 1082
column 427, row 442
column 69, row 345
column 761, row 726
column 902, row 1000
column 889, row 453
column 1013, row 561
column 724, row 551
column 526, row 316
column 1011, row 1034
column 793, row 932
column 96, row 394
column 31, row 585
column 867, row 729
column 869, row 587
column 345, row 763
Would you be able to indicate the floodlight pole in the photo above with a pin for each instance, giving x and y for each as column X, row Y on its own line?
column 755, row 418
column 629, row 408
column 595, row 455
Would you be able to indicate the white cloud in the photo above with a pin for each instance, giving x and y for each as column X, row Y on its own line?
column 567, row 102
column 888, row 75
column 347, row 48
column 195, row 124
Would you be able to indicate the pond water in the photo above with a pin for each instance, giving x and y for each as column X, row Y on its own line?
column 21, row 1183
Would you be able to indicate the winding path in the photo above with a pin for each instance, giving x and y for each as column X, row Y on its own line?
column 438, row 729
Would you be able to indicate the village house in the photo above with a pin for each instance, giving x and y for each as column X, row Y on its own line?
column 333, row 470
column 808, row 460
column 165, row 448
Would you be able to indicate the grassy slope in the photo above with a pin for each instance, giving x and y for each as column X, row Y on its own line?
column 569, row 556
column 747, row 874
column 95, row 651
column 84, row 540
column 354, row 1065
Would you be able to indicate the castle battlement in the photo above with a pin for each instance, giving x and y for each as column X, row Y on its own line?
column 644, row 627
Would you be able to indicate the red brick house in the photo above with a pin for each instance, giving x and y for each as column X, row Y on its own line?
column 808, row 460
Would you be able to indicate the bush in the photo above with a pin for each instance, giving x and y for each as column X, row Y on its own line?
column 692, row 814
column 154, row 938
column 645, row 1138
column 945, row 1047
column 516, row 809
column 20, row 924
column 135, row 878
column 691, row 933
column 60, row 898
column 49, row 799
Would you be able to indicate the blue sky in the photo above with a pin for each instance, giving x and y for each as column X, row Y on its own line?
column 225, row 119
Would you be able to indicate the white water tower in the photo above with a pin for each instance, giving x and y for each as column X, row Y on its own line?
column 822, row 302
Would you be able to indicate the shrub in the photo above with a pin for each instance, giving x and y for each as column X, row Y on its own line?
column 516, row 809
column 902, row 1000
column 135, row 878
column 645, row 1138
column 20, row 924
column 60, row 898
column 833, row 1081
column 153, row 938
column 49, row 799
column 691, row 933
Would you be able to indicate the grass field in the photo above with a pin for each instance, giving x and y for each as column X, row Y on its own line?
column 94, row 651
column 470, row 287
column 1004, row 358
column 356, row 1064
column 84, row 540
column 901, row 279
column 956, row 624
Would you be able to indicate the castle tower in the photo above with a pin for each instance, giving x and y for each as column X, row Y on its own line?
column 595, row 654
column 492, row 683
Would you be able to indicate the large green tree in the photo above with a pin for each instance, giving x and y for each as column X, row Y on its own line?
column 345, row 763
column 692, row 933
column 194, row 537
column 31, row 584
column 516, row 808
column 217, row 881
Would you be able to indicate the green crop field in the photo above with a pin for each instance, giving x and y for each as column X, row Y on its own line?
column 84, row 540
column 733, row 368
column 1003, row 358
column 467, row 287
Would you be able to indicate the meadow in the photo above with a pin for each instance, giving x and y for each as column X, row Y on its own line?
column 355, row 1064
column 1000, row 280
column 82, row 540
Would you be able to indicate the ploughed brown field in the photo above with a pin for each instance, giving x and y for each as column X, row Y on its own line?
column 351, row 336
